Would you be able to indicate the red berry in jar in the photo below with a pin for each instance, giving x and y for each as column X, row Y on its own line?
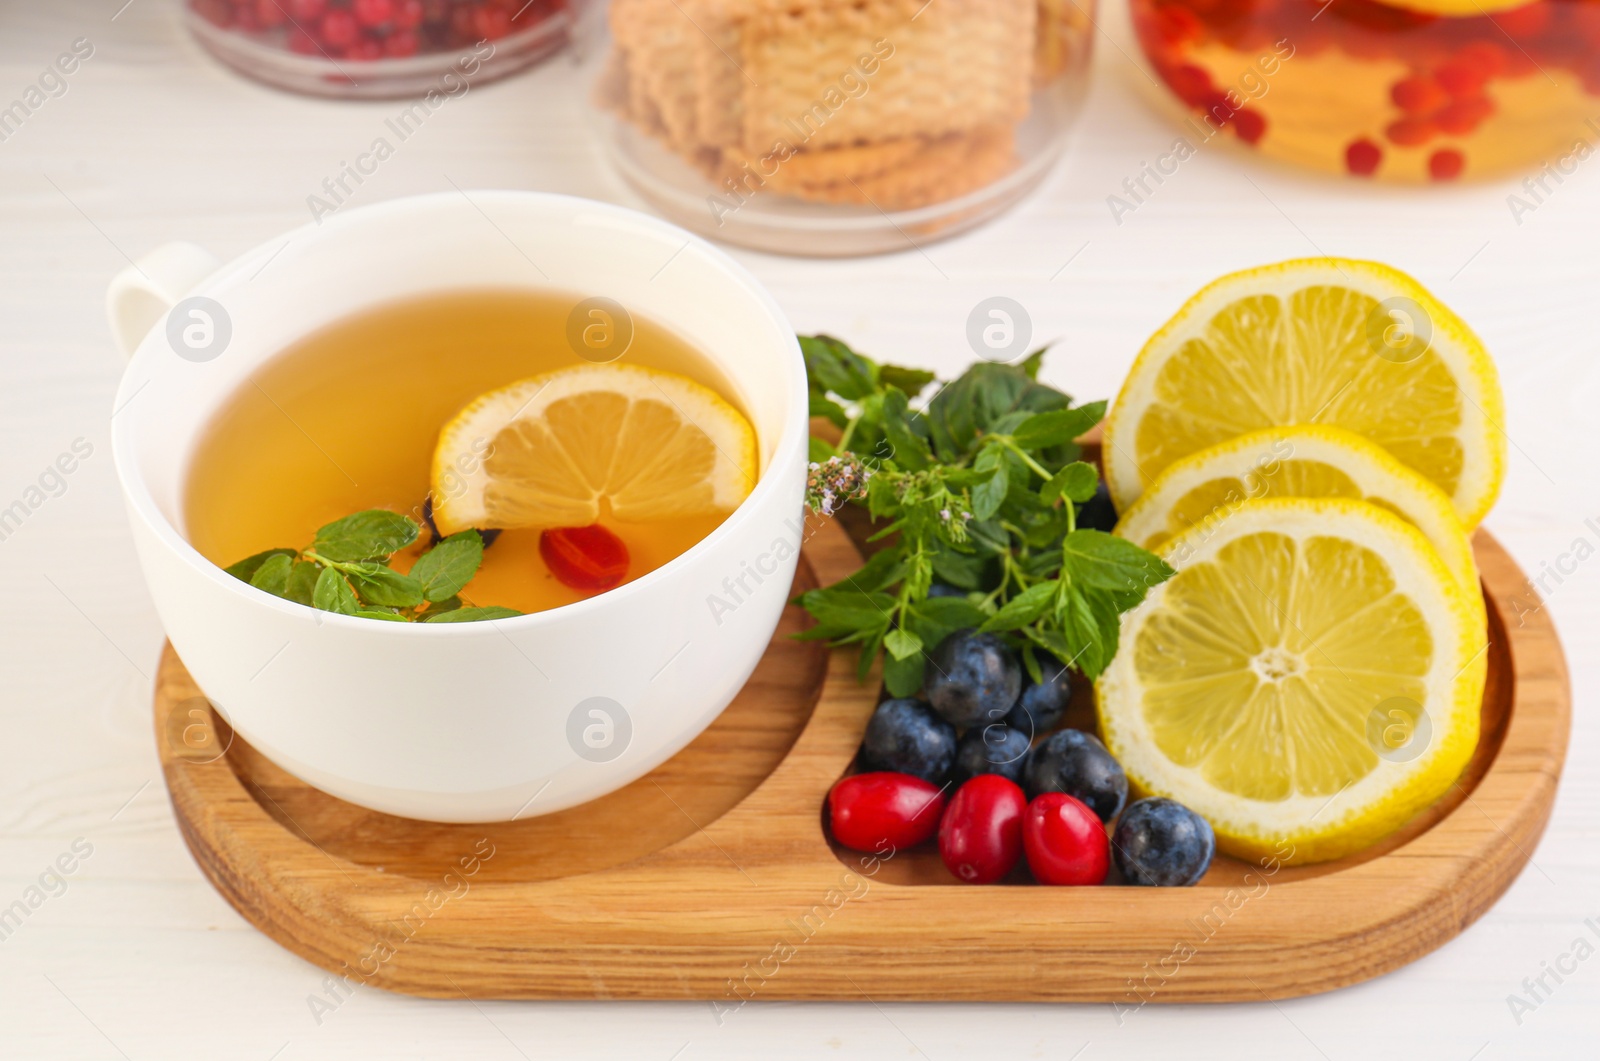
column 373, row 12
column 980, row 835
column 587, row 558
column 1065, row 841
column 1446, row 164
column 883, row 811
column 339, row 28
column 1418, row 94
column 1362, row 157
column 303, row 11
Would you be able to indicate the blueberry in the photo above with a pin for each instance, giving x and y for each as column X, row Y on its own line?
column 905, row 736
column 939, row 589
column 1098, row 513
column 972, row 678
column 1163, row 844
column 1076, row 763
column 1042, row 704
column 992, row 749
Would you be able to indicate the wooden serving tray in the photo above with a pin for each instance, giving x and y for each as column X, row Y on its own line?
column 712, row 878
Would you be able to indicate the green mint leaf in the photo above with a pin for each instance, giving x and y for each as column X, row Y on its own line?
column 377, row 584
column 1076, row 482
column 910, row 380
column 869, row 653
column 246, row 569
column 444, row 570
column 819, row 451
column 374, row 534
column 949, row 613
column 988, row 496
column 883, row 569
column 831, row 366
column 1058, row 426
column 910, row 451
column 903, row 677
column 440, row 607
column 1030, row 661
column 473, row 615
column 393, row 617
column 1094, row 559
column 935, row 618
column 273, row 574
column 961, row 570
column 967, row 409
column 902, row 644
column 1032, row 362
column 845, row 613
column 333, row 594
column 302, row 582
column 1022, row 609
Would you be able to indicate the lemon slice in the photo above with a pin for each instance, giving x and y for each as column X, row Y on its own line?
column 553, row 450
column 1309, row 679
column 1353, row 344
column 1304, row 460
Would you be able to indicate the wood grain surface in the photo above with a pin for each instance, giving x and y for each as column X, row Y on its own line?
column 676, row 888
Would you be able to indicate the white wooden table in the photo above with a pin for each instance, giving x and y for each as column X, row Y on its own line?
column 138, row 958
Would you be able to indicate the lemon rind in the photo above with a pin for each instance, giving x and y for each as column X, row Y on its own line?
column 1374, row 469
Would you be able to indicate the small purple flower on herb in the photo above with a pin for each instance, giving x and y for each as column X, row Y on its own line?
column 830, row 483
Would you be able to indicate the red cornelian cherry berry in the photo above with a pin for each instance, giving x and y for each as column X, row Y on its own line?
column 491, row 23
column 1410, row 132
column 1065, row 841
column 373, row 12
column 408, row 14
column 305, row 11
column 1461, row 78
column 1530, row 20
column 1190, row 83
column 1463, row 115
column 1178, row 26
column 585, row 558
column 339, row 28
column 1362, row 157
column 1250, row 125
column 1418, row 94
column 1446, row 164
column 1491, row 58
column 883, row 811
column 980, row 835
column 270, row 14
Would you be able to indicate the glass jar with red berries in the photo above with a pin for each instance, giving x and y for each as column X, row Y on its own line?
column 1403, row 90
column 376, row 49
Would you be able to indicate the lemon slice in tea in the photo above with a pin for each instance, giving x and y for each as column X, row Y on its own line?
column 1304, row 460
column 1308, row 681
column 1352, row 344
column 557, row 449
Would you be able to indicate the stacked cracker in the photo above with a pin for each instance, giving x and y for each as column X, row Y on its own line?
column 892, row 103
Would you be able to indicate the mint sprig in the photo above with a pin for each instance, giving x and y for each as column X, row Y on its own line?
column 346, row 570
column 980, row 491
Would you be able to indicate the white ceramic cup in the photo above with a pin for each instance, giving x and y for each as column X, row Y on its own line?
column 482, row 721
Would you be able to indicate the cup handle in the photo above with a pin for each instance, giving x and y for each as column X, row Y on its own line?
column 141, row 294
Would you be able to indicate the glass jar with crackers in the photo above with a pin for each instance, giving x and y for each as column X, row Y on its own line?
column 835, row 127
